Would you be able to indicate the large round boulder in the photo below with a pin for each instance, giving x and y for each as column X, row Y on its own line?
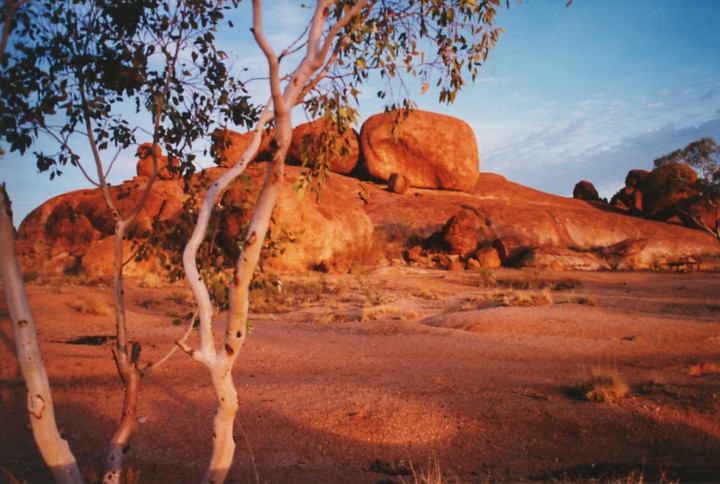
column 432, row 150
column 229, row 146
column 310, row 139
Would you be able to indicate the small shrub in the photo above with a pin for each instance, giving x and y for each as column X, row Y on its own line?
column 603, row 385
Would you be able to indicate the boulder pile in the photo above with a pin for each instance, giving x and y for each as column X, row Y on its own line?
column 406, row 190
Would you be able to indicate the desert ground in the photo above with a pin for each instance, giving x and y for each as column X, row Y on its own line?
column 396, row 374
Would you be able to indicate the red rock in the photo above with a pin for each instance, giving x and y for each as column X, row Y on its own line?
column 398, row 183
column 230, row 145
column 460, row 233
column 431, row 150
column 635, row 178
column 307, row 138
column 488, row 258
column 167, row 168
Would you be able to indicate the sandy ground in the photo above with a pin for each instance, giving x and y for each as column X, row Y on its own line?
column 359, row 377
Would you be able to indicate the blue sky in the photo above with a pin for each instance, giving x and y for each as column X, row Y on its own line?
column 584, row 92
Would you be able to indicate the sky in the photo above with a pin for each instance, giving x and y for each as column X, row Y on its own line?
column 584, row 92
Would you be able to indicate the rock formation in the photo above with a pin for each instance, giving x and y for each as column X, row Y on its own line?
column 630, row 196
column 431, row 150
column 480, row 222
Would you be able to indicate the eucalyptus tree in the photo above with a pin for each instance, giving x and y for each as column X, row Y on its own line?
column 703, row 156
column 343, row 45
column 83, row 74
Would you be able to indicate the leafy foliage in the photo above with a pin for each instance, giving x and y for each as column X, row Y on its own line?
column 218, row 254
column 702, row 156
column 90, row 68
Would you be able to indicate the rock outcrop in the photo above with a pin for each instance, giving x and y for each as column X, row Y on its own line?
column 431, row 150
column 73, row 233
column 475, row 221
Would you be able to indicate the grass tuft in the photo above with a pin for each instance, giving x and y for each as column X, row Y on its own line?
column 603, row 385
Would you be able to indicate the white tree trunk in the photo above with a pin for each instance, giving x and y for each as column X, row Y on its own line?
column 220, row 363
column 53, row 448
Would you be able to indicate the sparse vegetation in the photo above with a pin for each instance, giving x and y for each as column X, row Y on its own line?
column 432, row 474
column 369, row 314
column 603, row 385
column 508, row 299
column 525, row 280
column 92, row 304
column 375, row 294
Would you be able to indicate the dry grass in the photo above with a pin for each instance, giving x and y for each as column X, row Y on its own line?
column 527, row 280
column 374, row 294
column 425, row 293
column 603, row 385
column 370, row 314
column 431, row 474
column 93, row 304
column 508, row 299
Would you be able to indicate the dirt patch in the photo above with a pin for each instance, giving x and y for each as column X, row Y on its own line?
column 362, row 377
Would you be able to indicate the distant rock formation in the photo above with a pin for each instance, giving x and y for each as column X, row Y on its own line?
column 630, row 196
column 431, row 150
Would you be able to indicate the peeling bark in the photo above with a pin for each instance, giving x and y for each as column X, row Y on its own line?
column 53, row 448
